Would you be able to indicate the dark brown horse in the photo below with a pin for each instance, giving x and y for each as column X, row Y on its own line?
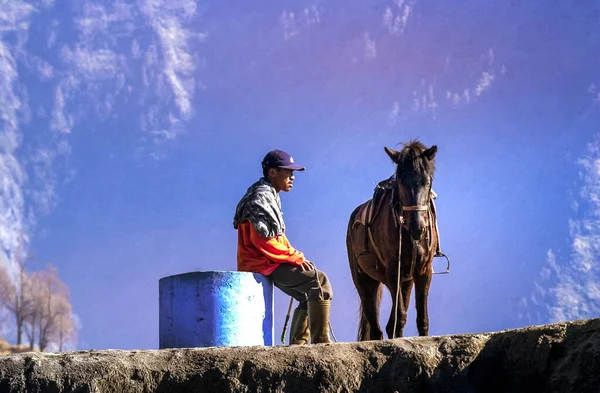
column 400, row 213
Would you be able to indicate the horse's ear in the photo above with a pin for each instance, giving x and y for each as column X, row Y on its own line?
column 394, row 154
column 430, row 153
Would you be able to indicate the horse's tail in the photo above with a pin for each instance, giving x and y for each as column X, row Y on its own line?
column 364, row 328
column 353, row 263
column 363, row 325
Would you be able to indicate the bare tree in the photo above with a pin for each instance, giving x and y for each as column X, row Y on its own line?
column 39, row 303
column 14, row 298
column 64, row 328
column 34, row 286
column 54, row 320
column 7, row 291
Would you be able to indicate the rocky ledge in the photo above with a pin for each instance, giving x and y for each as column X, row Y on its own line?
column 563, row 357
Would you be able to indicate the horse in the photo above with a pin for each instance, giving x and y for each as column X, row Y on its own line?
column 392, row 240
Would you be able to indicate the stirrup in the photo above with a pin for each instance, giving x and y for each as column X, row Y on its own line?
column 440, row 254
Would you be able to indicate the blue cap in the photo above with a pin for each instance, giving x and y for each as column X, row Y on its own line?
column 280, row 159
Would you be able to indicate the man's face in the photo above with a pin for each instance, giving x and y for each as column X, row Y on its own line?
column 281, row 179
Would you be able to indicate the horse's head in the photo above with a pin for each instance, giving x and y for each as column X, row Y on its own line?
column 414, row 175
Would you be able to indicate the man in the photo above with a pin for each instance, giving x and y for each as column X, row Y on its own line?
column 264, row 248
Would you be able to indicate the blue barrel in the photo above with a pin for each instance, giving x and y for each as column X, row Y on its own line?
column 215, row 308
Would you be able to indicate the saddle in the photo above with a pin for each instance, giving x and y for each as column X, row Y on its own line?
column 368, row 212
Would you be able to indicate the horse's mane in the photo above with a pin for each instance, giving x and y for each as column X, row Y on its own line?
column 411, row 162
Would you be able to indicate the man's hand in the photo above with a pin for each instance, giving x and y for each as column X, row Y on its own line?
column 307, row 265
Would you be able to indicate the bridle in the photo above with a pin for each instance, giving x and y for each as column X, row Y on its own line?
column 416, row 207
column 402, row 224
column 400, row 218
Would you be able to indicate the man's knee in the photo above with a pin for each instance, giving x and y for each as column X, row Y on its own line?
column 326, row 286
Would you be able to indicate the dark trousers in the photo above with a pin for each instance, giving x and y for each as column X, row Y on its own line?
column 302, row 285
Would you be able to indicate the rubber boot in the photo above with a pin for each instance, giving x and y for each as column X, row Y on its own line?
column 299, row 333
column 318, row 319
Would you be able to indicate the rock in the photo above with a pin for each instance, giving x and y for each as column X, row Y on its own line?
column 563, row 357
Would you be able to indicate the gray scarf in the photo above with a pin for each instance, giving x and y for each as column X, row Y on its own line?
column 262, row 207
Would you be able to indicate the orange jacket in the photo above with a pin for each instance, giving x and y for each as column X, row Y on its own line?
column 259, row 255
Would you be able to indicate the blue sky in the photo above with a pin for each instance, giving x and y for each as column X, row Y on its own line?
column 131, row 129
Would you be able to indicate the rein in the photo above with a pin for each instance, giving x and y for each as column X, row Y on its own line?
column 413, row 259
column 401, row 221
column 415, row 242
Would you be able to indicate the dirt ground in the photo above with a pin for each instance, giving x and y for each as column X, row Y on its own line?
column 562, row 357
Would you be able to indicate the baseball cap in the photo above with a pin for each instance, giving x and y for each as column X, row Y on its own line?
column 280, row 159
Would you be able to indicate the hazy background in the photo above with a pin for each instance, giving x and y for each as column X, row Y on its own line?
column 129, row 131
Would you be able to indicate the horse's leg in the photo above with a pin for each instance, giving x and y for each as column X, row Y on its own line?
column 422, row 283
column 368, row 288
column 406, row 288
column 369, row 291
column 398, row 318
column 370, row 265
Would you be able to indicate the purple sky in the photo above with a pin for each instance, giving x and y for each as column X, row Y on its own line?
column 129, row 131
